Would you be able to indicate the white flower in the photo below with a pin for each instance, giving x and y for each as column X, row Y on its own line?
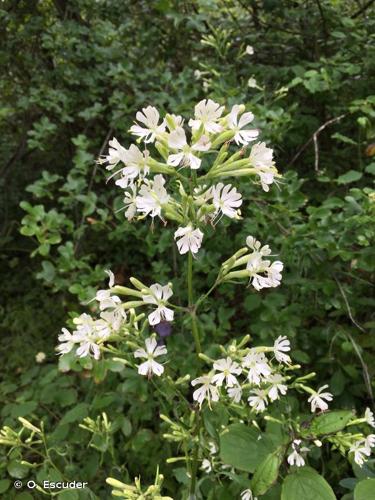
column 152, row 196
column 152, row 351
column 116, row 153
column 317, row 399
column 370, row 440
column 150, row 118
column 159, row 296
column 252, row 83
column 360, row 451
column 235, row 123
column 228, row 369
column 68, row 341
column 136, row 166
column 177, row 140
column 190, row 239
column 206, row 391
column 235, row 393
column 226, row 199
column 295, row 458
column 261, row 160
column 249, row 50
column 274, row 275
column 40, row 357
column 247, row 495
column 369, row 416
column 258, row 366
column 130, row 203
column 88, row 346
column 207, row 113
column 275, row 379
column 259, row 401
column 280, row 347
column 257, row 266
column 206, row 466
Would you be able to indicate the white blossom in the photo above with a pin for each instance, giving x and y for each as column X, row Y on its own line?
column 206, row 390
column 130, row 203
column 317, row 399
column 280, row 347
column 186, row 157
column 261, row 159
column 235, row 393
column 152, row 351
column 190, row 240
column 236, row 124
column 68, row 341
column 206, row 466
column 40, row 357
column 275, row 379
column 252, row 83
column 295, row 458
column 136, row 166
column 228, row 370
column 361, row 452
column 249, row 50
column 152, row 196
column 207, row 113
column 226, row 199
column 369, row 416
column 259, row 400
column 116, row 153
column 247, row 495
column 159, row 297
column 370, row 440
column 258, row 366
column 150, row 118
column 262, row 273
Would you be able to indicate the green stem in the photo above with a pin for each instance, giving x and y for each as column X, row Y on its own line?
column 194, row 325
column 194, row 466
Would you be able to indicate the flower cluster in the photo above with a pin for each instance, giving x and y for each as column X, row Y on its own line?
column 265, row 382
column 179, row 153
column 361, row 449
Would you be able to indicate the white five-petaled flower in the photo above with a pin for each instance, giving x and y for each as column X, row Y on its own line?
column 258, row 366
column 257, row 266
column 295, row 458
column 152, row 351
column 249, row 50
column 280, row 347
column 190, row 240
column 207, row 113
column 228, row 369
column 259, row 400
column 136, row 166
column 275, row 379
column 261, row 159
column 236, row 124
column 116, row 153
column 226, row 199
column 159, row 297
column 186, row 157
column 150, row 118
column 206, row 390
column 317, row 399
column 235, row 393
column 369, row 416
column 361, row 451
column 67, row 340
column 152, row 196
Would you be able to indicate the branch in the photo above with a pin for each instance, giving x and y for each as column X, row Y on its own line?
column 365, row 7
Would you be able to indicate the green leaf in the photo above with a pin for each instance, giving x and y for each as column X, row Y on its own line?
column 306, row 484
column 267, row 472
column 17, row 470
column 244, row 447
column 365, row 490
column 330, row 422
column 4, row 485
column 370, row 169
column 350, row 176
column 79, row 412
column 23, row 409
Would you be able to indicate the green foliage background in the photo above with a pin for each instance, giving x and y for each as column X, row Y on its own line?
column 74, row 74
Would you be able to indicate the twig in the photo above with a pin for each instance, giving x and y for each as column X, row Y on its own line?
column 366, row 375
column 365, row 7
column 314, row 138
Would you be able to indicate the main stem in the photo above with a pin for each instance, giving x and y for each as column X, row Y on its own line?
column 194, row 325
